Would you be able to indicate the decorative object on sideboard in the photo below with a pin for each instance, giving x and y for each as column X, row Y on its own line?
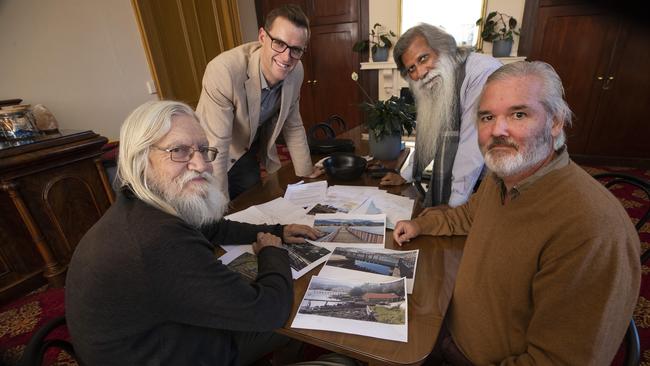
column 386, row 120
column 499, row 29
column 45, row 120
column 379, row 43
column 17, row 123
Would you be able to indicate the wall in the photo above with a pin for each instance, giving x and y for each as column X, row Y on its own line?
column 83, row 59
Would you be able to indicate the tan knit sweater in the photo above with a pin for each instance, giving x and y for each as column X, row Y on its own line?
column 550, row 278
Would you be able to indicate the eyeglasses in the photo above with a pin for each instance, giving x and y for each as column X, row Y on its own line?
column 183, row 154
column 279, row 46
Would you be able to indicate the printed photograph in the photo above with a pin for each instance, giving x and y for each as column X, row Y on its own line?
column 370, row 302
column 352, row 229
column 302, row 255
column 322, row 208
column 388, row 263
column 246, row 265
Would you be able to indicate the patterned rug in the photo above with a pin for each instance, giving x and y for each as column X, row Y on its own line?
column 20, row 319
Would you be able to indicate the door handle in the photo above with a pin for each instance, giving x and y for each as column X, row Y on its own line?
column 608, row 83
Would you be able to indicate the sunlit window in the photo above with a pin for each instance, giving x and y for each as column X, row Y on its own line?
column 457, row 17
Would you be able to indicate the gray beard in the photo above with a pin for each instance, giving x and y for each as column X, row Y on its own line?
column 526, row 157
column 436, row 106
column 196, row 208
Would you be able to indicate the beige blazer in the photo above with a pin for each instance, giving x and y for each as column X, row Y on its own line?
column 229, row 111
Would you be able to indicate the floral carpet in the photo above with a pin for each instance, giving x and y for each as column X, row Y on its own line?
column 20, row 319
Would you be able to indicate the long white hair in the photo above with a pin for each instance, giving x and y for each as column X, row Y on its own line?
column 145, row 126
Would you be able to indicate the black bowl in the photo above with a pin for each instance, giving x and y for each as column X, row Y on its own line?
column 344, row 166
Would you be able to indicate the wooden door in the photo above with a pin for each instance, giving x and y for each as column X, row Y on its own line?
column 621, row 127
column 577, row 42
column 332, row 12
column 181, row 37
column 332, row 89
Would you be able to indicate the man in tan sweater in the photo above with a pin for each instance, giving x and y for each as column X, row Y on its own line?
column 550, row 272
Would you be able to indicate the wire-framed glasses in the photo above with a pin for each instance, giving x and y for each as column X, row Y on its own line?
column 277, row 45
column 183, row 153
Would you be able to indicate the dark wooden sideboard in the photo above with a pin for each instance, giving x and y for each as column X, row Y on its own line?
column 52, row 190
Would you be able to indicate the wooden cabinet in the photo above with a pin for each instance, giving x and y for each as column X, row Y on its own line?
column 52, row 191
column 327, row 87
column 602, row 58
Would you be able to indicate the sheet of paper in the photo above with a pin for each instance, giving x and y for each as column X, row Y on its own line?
column 395, row 207
column 333, row 203
column 352, row 191
column 283, row 211
column 302, row 258
column 251, row 215
column 351, row 229
column 306, row 194
column 373, row 309
column 371, row 264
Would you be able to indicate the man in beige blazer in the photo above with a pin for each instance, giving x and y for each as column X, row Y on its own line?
column 250, row 95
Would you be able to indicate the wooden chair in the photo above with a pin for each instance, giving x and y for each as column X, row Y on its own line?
column 632, row 345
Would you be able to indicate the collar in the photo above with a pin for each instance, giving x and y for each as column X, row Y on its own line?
column 560, row 160
column 265, row 84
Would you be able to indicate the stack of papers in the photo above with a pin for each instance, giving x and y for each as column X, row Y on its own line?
column 363, row 287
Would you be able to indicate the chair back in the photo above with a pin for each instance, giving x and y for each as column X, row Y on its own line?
column 610, row 180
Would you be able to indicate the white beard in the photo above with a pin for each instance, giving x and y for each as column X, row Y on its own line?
column 205, row 205
column 506, row 164
column 436, row 101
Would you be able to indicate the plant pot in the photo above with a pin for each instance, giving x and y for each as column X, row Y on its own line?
column 501, row 48
column 380, row 55
column 386, row 148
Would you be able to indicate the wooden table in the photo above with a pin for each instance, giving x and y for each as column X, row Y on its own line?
column 436, row 271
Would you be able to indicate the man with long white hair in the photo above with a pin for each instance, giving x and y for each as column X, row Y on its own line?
column 446, row 81
column 550, row 271
column 144, row 286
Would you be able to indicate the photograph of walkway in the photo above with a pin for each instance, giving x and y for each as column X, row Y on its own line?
column 351, row 230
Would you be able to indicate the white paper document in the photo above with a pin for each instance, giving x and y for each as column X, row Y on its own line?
column 373, row 309
column 371, row 264
column 395, row 207
column 306, row 194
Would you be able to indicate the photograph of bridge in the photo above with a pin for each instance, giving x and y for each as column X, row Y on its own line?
column 369, row 302
column 341, row 228
column 380, row 261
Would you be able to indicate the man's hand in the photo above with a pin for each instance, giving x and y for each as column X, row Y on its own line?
column 266, row 240
column 296, row 234
column 315, row 173
column 392, row 179
column 428, row 210
column 405, row 230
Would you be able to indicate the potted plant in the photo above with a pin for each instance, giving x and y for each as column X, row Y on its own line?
column 379, row 43
column 386, row 120
column 499, row 29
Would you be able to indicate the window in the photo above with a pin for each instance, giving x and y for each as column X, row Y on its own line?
column 457, row 17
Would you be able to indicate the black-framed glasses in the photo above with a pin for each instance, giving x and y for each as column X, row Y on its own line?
column 279, row 46
column 183, row 153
